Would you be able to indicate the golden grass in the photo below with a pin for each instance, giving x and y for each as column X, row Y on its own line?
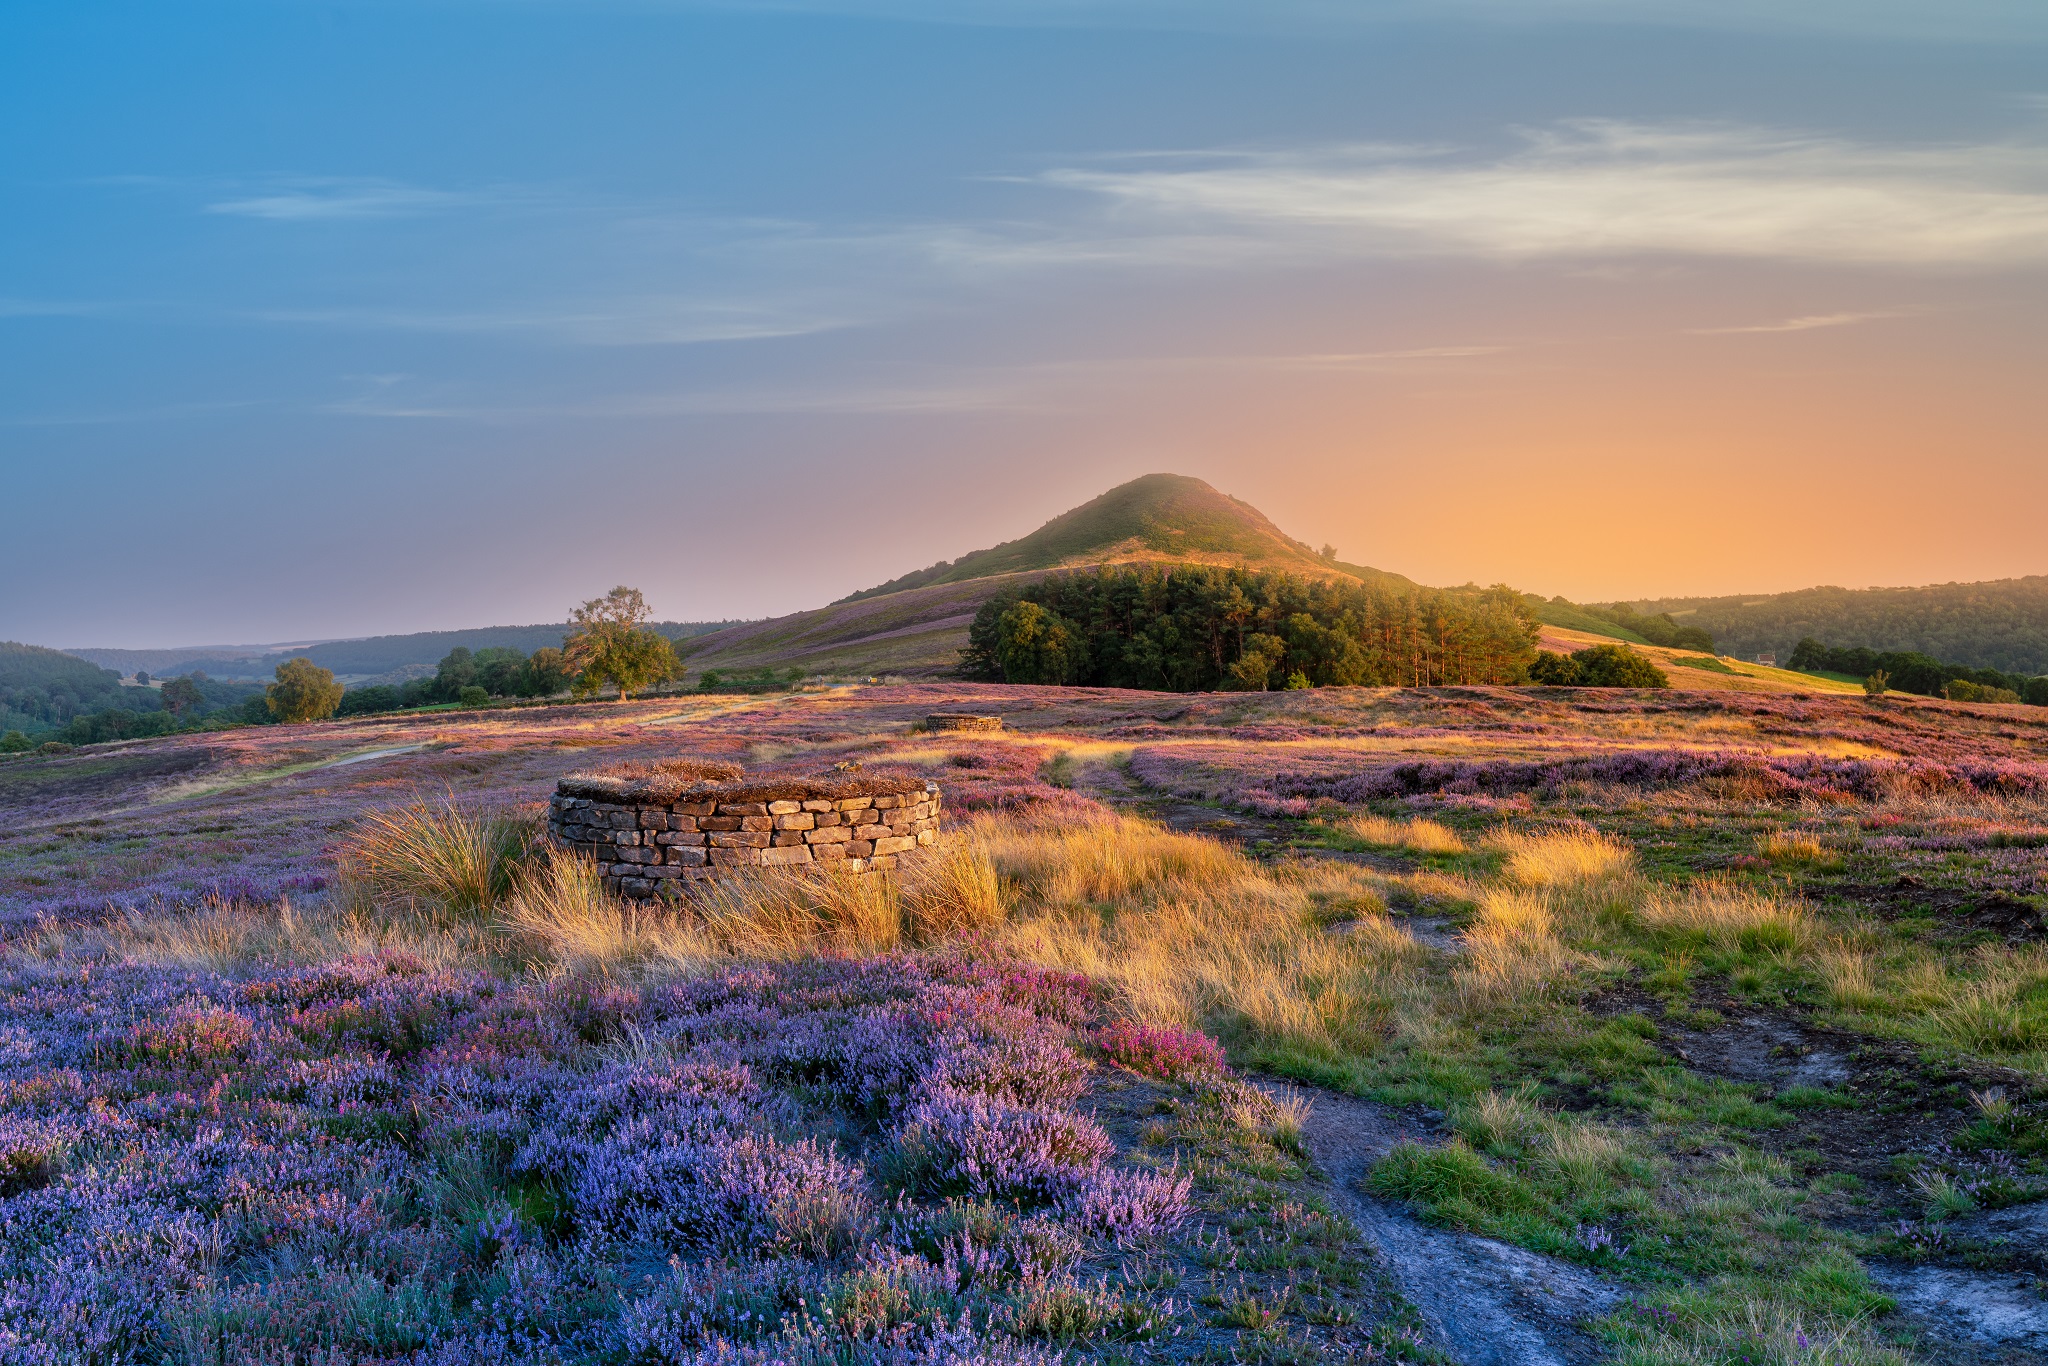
column 1787, row 846
column 435, row 856
column 1416, row 836
column 1189, row 931
column 1730, row 916
column 1511, row 950
column 1562, row 858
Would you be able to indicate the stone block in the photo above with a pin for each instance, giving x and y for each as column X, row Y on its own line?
column 785, row 856
column 735, row 858
column 837, row 834
column 826, row 853
column 625, row 838
column 639, row 856
column 859, row 848
column 802, row 820
column 637, row 887
column 743, row 808
column 682, row 822
column 881, row 862
column 653, row 820
column 718, row 822
column 870, row 832
column 855, row 803
column 687, row 858
column 895, row 844
column 825, row 818
column 673, row 839
column 661, row 871
column 740, row 839
column 887, row 802
column 757, row 822
column 817, row 804
column 783, row 839
column 694, row 808
column 784, row 808
column 927, row 838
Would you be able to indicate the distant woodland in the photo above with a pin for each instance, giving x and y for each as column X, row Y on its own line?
column 1185, row 628
column 2002, row 624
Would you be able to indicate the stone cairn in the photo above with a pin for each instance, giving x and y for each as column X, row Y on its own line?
column 960, row 720
column 655, row 828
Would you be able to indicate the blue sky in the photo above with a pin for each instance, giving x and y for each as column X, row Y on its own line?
column 324, row 319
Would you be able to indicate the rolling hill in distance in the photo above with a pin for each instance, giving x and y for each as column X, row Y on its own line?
column 916, row 624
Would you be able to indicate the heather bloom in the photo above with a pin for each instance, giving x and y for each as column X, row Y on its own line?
column 1159, row 1050
column 980, row 1145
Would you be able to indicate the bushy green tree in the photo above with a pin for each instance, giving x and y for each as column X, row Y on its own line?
column 181, row 695
column 1616, row 666
column 1039, row 646
column 547, row 672
column 608, row 646
column 14, row 742
column 1554, row 670
column 473, row 696
column 1262, row 653
column 1877, row 684
column 303, row 692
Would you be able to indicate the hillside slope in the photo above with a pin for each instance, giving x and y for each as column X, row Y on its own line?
column 917, row 624
column 1165, row 517
column 2000, row 624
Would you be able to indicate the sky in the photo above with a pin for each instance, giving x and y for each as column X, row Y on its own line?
column 324, row 320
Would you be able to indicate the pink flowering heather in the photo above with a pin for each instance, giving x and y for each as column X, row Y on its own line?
column 1159, row 1050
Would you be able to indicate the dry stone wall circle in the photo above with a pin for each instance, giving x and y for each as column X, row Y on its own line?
column 654, row 829
column 960, row 720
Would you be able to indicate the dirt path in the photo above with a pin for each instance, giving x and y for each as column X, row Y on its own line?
column 1486, row 1303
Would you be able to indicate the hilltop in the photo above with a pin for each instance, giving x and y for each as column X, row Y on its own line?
column 917, row 623
column 1161, row 517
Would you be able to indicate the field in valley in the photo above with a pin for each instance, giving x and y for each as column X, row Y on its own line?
column 1706, row 1025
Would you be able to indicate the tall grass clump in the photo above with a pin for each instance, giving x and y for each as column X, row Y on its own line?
column 1189, row 932
column 1511, row 950
column 1416, row 836
column 561, row 909
column 1561, row 858
column 435, row 856
column 1730, row 917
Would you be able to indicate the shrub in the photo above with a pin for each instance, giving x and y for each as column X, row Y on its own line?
column 1616, row 666
column 950, row 1144
column 14, row 742
column 1878, row 684
column 472, row 697
column 1159, row 1050
column 1553, row 670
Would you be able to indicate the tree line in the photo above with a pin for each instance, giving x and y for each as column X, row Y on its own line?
column 1187, row 628
column 1911, row 671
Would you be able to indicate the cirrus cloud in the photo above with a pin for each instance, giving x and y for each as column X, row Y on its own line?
column 1610, row 189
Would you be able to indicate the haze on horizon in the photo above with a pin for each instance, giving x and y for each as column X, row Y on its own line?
column 323, row 320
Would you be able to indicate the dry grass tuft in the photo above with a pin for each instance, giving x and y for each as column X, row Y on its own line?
column 435, row 856
column 1730, row 916
column 563, row 912
column 1786, row 846
column 1563, row 858
column 1511, row 950
column 1416, row 836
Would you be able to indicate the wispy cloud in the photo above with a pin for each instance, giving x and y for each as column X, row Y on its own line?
column 644, row 321
column 310, row 200
column 1610, row 189
column 1803, row 324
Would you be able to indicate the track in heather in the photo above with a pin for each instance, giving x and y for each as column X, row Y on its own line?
column 1485, row 1303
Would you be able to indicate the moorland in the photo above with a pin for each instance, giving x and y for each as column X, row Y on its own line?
column 1429, row 1024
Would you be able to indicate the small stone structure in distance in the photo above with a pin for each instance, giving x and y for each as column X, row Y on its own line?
column 960, row 720
column 656, row 828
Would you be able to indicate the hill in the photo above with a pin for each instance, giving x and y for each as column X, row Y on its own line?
column 1163, row 517
column 1999, row 624
column 41, row 689
column 917, row 624
column 368, row 657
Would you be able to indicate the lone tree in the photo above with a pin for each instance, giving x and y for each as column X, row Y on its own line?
column 303, row 692
column 181, row 695
column 609, row 646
